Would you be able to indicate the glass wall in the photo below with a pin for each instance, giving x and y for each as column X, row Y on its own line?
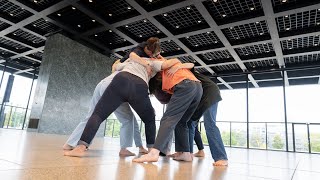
column 15, row 113
column 266, row 108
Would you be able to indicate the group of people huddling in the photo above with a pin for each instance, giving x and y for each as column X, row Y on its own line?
column 189, row 96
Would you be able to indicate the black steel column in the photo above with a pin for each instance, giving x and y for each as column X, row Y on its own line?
column 247, row 79
column 3, row 71
column 25, row 114
column 309, row 144
column 285, row 109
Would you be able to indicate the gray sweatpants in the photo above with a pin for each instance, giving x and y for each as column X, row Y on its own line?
column 183, row 103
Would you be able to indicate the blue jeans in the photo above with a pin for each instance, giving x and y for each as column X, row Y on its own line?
column 216, row 145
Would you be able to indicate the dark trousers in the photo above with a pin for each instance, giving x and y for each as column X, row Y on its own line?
column 124, row 87
column 183, row 103
column 197, row 139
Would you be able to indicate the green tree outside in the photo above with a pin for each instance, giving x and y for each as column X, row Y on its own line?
column 277, row 142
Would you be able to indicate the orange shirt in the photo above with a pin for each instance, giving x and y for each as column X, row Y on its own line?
column 168, row 83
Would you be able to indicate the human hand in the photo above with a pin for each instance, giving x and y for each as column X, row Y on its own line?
column 172, row 71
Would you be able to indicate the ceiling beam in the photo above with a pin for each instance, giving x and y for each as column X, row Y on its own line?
column 206, row 15
column 270, row 16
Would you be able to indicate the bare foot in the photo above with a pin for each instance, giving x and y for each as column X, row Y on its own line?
column 147, row 158
column 200, row 153
column 221, row 163
column 142, row 150
column 67, row 147
column 78, row 151
column 126, row 152
column 185, row 156
column 174, row 154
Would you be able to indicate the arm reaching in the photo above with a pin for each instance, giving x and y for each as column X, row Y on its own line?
column 169, row 63
column 174, row 69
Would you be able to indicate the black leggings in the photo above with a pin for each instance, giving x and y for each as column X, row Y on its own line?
column 124, row 87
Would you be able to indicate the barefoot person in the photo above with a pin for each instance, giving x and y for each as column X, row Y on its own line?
column 208, row 108
column 129, row 125
column 130, row 85
column 186, row 92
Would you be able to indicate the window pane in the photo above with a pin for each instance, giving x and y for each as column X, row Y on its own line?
column 233, row 106
column 276, row 136
column 315, row 138
column 239, row 134
column 257, row 135
column 301, row 138
column 303, row 103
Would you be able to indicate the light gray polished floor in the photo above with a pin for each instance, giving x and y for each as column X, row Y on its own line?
column 25, row 155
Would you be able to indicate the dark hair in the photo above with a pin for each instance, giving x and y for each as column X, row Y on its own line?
column 155, row 83
column 153, row 45
column 155, row 88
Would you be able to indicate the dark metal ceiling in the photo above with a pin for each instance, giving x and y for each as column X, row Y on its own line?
column 222, row 37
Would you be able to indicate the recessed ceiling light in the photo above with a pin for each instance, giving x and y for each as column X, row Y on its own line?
column 287, row 29
column 14, row 34
column 177, row 26
column 257, row 22
column 127, row 26
column 289, row 39
column 46, row 20
column 247, row 54
column 223, row 15
column 110, row 14
column 196, row 45
column 316, row 44
column 73, row 8
column 169, row 40
column 35, row 25
column 208, row 32
column 215, row 42
column 178, row 48
column 261, row 33
column 11, row 14
column 140, row 35
column 252, row 8
column 231, row 27
column 290, row 47
column 188, row 7
column 79, row 25
column 215, row 1
column 144, row 20
column 284, row 1
column 286, row 16
column 158, row 31
column 110, row 30
column 187, row 37
column 150, row 0
column 93, row 20
column 254, row 66
column 318, row 23
column 59, row 14
column 199, row 21
column 35, row 1
column 165, row 14
column 124, row 40
column 110, row 43
column 268, row 51
column 129, row 7
column 90, row 0
column 95, row 35
column 318, row 9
